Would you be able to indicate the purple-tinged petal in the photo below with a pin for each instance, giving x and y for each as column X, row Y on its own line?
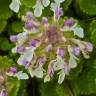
column 26, row 63
column 41, row 60
column 3, row 93
column 69, row 22
column 29, row 15
column 88, row 47
column 29, row 25
column 66, row 69
column 49, row 48
column 50, row 71
column 76, row 51
column 13, row 38
column 61, row 52
column 58, row 12
column 13, row 70
column 20, row 49
column 33, row 42
column 44, row 20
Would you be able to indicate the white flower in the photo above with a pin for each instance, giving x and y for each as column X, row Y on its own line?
column 46, row 2
column 38, row 72
column 72, row 59
column 77, row 31
column 22, row 37
column 58, row 63
column 59, row 1
column 53, row 6
column 61, row 76
column 20, row 75
column 47, row 78
column 15, row 5
column 27, row 56
column 38, row 9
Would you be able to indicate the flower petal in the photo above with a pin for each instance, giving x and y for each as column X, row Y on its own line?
column 61, row 76
column 20, row 75
column 15, row 5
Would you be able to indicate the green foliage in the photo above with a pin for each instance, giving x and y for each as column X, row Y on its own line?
column 17, row 27
column 5, row 45
column 5, row 12
column 93, row 31
column 87, row 82
column 88, row 6
column 6, row 62
column 66, row 4
column 28, row 3
column 3, row 24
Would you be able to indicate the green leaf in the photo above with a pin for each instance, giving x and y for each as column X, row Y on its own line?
column 88, row 6
column 5, row 45
column 3, row 24
column 93, row 31
column 17, row 26
column 5, row 12
column 5, row 62
column 66, row 4
column 28, row 3
column 13, row 87
column 48, row 89
column 87, row 82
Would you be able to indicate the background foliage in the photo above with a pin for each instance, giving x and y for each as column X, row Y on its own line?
column 80, row 82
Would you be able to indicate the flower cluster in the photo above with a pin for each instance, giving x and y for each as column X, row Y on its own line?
column 38, row 8
column 46, row 49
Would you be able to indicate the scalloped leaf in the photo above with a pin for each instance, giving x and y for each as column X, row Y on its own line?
column 3, row 24
column 88, row 6
column 17, row 26
column 28, row 3
column 5, row 62
column 87, row 82
column 93, row 31
column 4, row 44
column 66, row 4
column 5, row 12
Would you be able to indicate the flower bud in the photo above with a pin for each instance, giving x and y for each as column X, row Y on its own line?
column 88, row 47
column 60, row 52
column 13, row 38
column 69, row 22
column 76, row 51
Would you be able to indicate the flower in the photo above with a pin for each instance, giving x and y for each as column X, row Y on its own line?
column 76, row 51
column 20, row 49
column 57, row 13
column 3, row 93
column 33, row 42
column 29, row 15
column 69, row 22
column 60, row 52
column 44, row 20
column 50, row 71
column 11, row 71
column 41, row 60
column 13, row 38
column 34, row 46
column 38, row 9
column 49, row 48
column 88, row 47
column 15, row 5
column 45, row 2
column 29, row 25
